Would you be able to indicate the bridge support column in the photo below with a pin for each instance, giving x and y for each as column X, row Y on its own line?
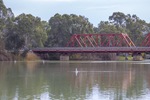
column 137, row 57
column 64, row 57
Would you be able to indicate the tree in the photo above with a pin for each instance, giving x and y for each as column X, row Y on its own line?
column 64, row 26
column 136, row 28
column 130, row 24
column 13, row 41
column 107, row 27
column 27, row 31
column 118, row 19
column 6, row 16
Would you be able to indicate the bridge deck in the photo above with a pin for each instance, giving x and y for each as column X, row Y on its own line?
column 91, row 50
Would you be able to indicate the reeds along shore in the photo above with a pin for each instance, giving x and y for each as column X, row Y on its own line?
column 31, row 57
column 6, row 56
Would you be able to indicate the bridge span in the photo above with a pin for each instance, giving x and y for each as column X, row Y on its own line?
column 92, row 50
column 98, row 43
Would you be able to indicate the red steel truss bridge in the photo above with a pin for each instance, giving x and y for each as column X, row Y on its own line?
column 99, row 43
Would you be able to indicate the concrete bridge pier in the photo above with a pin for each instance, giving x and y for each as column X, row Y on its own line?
column 64, row 57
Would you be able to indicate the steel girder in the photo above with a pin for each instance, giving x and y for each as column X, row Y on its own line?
column 100, row 40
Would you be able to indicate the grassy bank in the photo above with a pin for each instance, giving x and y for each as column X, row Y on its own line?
column 123, row 58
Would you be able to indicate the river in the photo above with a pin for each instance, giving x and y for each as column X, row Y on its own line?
column 75, row 80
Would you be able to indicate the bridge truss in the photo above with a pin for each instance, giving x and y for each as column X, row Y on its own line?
column 100, row 40
column 146, row 41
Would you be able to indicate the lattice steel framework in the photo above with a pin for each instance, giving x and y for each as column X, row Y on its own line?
column 146, row 41
column 100, row 40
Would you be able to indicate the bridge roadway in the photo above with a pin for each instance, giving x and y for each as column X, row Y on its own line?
column 92, row 50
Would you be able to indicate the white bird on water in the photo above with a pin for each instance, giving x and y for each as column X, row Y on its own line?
column 43, row 62
column 76, row 71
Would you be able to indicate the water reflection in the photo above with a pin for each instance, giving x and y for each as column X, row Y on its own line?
column 60, row 81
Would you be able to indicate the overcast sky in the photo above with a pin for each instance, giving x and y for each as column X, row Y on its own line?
column 95, row 10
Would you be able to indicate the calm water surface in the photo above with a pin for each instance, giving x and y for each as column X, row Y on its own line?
column 85, row 80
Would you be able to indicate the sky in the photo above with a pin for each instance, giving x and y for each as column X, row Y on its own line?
column 94, row 10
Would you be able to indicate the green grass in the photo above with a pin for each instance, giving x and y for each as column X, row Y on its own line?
column 122, row 58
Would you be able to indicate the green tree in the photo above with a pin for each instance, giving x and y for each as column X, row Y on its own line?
column 13, row 41
column 118, row 19
column 130, row 24
column 107, row 27
column 6, row 16
column 27, row 31
column 64, row 26
column 136, row 28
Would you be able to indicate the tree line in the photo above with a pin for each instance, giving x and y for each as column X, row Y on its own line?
column 27, row 31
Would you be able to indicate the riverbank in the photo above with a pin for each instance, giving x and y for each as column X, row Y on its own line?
column 5, row 56
column 30, row 56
